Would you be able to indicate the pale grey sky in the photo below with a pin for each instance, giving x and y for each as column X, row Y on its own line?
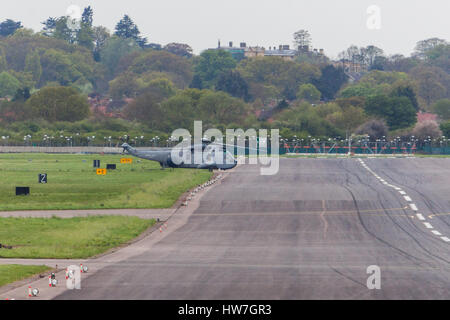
column 333, row 24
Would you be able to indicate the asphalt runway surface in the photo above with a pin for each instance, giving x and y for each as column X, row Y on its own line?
column 309, row 232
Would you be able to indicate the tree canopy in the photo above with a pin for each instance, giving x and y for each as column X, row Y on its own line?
column 58, row 104
column 8, row 27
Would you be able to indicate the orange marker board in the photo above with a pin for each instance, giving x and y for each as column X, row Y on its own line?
column 126, row 160
column 101, row 172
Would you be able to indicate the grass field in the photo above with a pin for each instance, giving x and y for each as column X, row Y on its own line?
column 74, row 238
column 74, row 184
column 14, row 272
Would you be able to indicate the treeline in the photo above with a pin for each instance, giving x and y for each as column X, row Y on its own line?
column 46, row 77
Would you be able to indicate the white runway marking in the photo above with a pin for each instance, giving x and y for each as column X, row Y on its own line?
column 407, row 198
column 428, row 225
column 420, row 217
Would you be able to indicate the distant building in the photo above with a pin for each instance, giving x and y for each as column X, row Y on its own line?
column 237, row 53
column 282, row 51
column 254, row 52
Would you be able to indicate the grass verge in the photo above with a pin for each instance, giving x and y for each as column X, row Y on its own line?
column 74, row 238
column 74, row 184
column 12, row 273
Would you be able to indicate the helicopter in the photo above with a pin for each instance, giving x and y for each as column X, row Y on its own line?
column 165, row 156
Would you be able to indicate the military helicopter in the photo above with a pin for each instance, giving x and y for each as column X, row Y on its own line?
column 209, row 156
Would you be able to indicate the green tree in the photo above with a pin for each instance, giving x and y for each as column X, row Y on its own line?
column 100, row 37
column 398, row 111
column 285, row 76
column 361, row 90
column 424, row 46
column 33, row 65
column 163, row 86
column 179, row 49
column 59, row 104
column 25, row 78
column 85, row 36
column 347, row 119
column 211, row 64
column 432, row 83
column 220, row 108
column 374, row 83
column 8, row 27
column 127, row 29
column 176, row 68
column 406, row 89
column 87, row 17
column 181, row 109
column 330, row 82
column 439, row 57
column 113, row 50
column 309, row 93
column 57, row 66
column 445, row 127
column 22, row 94
column 371, row 53
column 3, row 61
column 305, row 118
column 147, row 109
column 49, row 26
column 442, row 109
column 62, row 30
column 125, row 85
column 233, row 83
column 377, row 77
column 302, row 38
column 8, row 84
column 374, row 128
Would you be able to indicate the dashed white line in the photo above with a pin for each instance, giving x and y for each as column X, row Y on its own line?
column 407, row 198
column 420, row 217
column 428, row 225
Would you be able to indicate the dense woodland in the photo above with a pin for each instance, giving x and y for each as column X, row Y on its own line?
column 90, row 85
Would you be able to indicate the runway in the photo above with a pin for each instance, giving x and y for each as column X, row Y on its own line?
column 309, row 232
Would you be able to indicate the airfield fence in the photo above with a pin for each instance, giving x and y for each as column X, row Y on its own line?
column 369, row 148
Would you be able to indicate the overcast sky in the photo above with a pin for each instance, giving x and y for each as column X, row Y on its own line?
column 333, row 24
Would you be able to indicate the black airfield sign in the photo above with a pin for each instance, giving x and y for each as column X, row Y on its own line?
column 42, row 178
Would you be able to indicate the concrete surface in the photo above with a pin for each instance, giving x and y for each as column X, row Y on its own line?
column 309, row 232
column 161, row 214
